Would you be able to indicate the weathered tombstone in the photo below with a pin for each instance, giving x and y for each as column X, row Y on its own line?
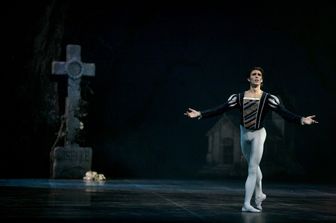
column 72, row 161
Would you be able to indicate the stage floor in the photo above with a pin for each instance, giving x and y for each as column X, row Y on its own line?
column 47, row 200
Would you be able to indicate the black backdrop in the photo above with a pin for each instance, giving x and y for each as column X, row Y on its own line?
column 152, row 63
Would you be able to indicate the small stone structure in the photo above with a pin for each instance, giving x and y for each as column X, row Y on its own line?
column 72, row 160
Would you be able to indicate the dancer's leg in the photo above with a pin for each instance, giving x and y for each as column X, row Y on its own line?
column 245, row 144
column 258, row 193
column 258, row 188
column 245, row 148
column 258, row 142
column 252, row 151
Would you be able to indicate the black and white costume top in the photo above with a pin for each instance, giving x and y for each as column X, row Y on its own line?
column 253, row 110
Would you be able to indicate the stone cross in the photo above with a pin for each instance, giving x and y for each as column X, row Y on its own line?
column 75, row 69
column 72, row 161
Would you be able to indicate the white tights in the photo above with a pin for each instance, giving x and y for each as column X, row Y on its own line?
column 252, row 146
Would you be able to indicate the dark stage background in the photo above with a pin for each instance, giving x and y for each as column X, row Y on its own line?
column 152, row 63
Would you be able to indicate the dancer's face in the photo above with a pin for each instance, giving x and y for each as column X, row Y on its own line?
column 255, row 77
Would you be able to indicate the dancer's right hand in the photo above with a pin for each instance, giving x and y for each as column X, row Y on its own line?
column 192, row 113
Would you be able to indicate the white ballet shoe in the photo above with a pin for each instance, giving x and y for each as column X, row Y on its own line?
column 259, row 200
column 250, row 209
